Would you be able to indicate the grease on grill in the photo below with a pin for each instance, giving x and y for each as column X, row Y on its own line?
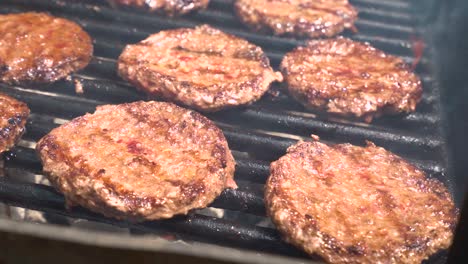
column 78, row 86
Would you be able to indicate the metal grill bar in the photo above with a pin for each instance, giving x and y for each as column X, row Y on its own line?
column 44, row 198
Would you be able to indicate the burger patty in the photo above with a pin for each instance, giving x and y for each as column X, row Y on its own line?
column 202, row 68
column 138, row 161
column 349, row 78
column 13, row 116
column 168, row 7
column 353, row 204
column 36, row 47
column 303, row 18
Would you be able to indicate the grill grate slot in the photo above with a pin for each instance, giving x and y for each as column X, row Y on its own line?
column 257, row 134
column 46, row 199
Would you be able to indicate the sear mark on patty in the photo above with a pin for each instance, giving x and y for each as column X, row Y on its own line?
column 351, row 204
column 202, row 68
column 138, row 161
column 13, row 117
column 302, row 18
column 352, row 79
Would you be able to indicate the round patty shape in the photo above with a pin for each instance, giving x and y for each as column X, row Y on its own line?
column 349, row 78
column 36, row 47
column 202, row 68
column 353, row 204
column 302, row 18
column 138, row 161
column 168, row 7
column 13, row 116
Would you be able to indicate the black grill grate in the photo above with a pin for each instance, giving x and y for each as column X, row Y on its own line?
column 258, row 133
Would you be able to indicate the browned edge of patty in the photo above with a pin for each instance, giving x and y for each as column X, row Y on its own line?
column 386, row 86
column 305, row 229
column 168, row 7
column 13, row 117
column 206, row 98
column 94, row 189
column 280, row 24
column 40, row 48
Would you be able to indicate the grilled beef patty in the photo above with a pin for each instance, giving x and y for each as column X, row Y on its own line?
column 138, row 161
column 202, row 68
column 36, row 47
column 303, row 18
column 13, row 116
column 168, row 7
column 353, row 204
column 349, row 78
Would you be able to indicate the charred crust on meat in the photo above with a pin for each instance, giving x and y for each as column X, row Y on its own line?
column 379, row 208
column 138, row 161
column 355, row 250
column 202, row 68
column 50, row 48
column 294, row 19
column 131, row 199
column 333, row 76
column 13, row 117
column 48, row 145
column 189, row 191
column 220, row 152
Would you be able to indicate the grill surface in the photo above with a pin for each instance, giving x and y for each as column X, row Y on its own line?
column 257, row 134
